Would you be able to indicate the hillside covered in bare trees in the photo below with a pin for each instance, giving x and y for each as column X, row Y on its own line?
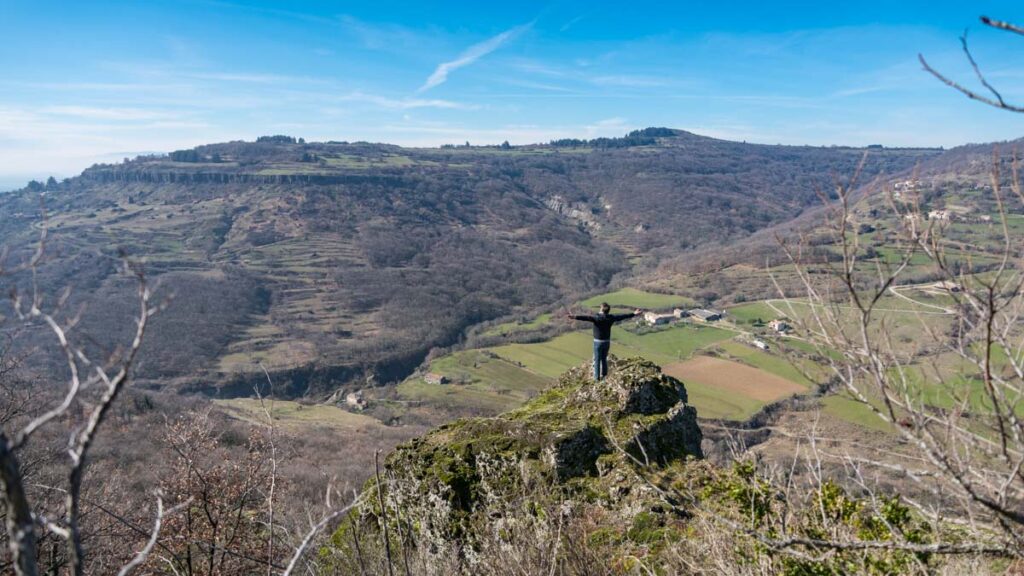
column 332, row 263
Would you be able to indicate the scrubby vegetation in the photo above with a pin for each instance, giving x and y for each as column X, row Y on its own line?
column 330, row 263
column 338, row 267
column 606, row 478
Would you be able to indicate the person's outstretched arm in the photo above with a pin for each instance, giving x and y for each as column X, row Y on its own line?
column 582, row 317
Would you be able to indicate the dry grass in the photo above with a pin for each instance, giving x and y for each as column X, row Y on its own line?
column 734, row 378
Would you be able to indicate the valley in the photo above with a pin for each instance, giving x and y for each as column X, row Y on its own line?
column 404, row 289
column 348, row 309
column 358, row 269
column 335, row 264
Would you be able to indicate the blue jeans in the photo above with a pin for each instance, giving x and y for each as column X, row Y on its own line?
column 601, row 358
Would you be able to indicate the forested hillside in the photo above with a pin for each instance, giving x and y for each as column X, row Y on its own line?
column 331, row 263
column 957, row 180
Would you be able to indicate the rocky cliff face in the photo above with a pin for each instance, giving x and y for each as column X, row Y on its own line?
column 580, row 444
column 577, row 211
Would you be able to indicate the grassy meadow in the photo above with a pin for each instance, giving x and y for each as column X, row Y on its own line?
column 492, row 379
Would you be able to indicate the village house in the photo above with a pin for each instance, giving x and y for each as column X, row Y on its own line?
column 761, row 344
column 940, row 215
column 680, row 313
column 780, row 325
column 433, row 378
column 656, row 319
column 901, row 187
column 705, row 315
column 355, row 400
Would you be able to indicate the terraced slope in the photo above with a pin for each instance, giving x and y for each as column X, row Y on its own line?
column 334, row 264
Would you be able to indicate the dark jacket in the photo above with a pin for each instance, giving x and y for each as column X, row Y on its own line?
column 603, row 323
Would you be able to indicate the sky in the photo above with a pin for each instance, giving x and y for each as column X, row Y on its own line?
column 97, row 81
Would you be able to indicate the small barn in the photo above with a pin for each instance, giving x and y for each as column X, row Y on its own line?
column 705, row 315
column 656, row 319
column 434, row 378
column 355, row 401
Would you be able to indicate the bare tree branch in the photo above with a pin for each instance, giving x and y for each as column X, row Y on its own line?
column 316, row 529
column 154, row 535
column 997, row 101
column 1002, row 25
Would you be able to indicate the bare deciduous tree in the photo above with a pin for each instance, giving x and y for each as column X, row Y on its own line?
column 954, row 391
column 85, row 375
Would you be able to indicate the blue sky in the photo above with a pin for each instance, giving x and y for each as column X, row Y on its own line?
column 96, row 81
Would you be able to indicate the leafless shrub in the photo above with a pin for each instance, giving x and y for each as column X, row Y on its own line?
column 100, row 382
column 952, row 392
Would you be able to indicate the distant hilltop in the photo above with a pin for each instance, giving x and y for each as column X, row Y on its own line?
column 233, row 157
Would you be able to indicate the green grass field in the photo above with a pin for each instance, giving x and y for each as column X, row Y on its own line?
column 1015, row 223
column 476, row 367
column 673, row 344
column 850, row 410
column 552, row 357
column 555, row 356
column 778, row 365
column 481, row 383
column 291, row 415
column 714, row 403
column 524, row 369
column 794, row 344
column 464, row 398
column 633, row 298
column 502, row 377
column 513, row 327
column 748, row 313
column 624, row 299
column 678, row 342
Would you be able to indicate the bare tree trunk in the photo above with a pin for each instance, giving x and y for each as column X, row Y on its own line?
column 20, row 525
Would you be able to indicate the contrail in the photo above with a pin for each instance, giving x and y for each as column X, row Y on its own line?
column 472, row 54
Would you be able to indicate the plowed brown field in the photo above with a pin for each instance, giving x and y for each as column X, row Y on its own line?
column 734, row 377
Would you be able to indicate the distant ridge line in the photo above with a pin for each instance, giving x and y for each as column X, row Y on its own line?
column 161, row 177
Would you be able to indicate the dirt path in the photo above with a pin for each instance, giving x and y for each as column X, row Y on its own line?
column 896, row 290
column 772, row 304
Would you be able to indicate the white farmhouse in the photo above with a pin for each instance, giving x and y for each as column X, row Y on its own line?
column 656, row 319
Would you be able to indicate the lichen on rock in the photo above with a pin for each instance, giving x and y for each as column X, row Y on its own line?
column 580, row 442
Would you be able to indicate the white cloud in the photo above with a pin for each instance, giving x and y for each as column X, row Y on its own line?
column 406, row 103
column 537, row 85
column 385, row 36
column 472, row 54
column 434, row 133
column 92, row 113
column 571, row 23
column 40, row 143
column 607, row 127
column 628, row 81
column 245, row 77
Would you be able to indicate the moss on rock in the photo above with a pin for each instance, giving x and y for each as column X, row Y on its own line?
column 566, row 444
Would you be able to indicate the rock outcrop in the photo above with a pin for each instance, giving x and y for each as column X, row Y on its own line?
column 578, row 211
column 581, row 442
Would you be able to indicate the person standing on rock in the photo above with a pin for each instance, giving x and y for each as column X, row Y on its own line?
column 603, row 323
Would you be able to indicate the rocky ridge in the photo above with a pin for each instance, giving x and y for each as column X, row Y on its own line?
column 586, row 445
